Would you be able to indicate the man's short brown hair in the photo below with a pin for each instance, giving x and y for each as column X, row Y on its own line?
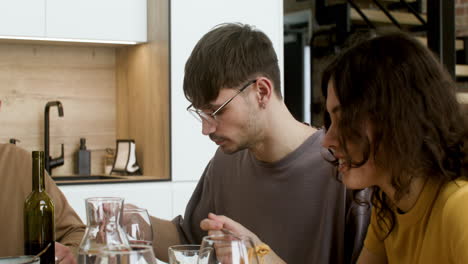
column 226, row 57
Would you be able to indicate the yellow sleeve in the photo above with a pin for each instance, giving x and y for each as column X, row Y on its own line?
column 372, row 241
column 455, row 221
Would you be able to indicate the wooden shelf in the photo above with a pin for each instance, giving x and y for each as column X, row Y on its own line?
column 461, row 70
column 115, row 179
column 462, row 98
column 142, row 78
column 458, row 42
column 378, row 16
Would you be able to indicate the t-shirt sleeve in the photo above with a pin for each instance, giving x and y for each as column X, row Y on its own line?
column 372, row 242
column 200, row 204
column 455, row 221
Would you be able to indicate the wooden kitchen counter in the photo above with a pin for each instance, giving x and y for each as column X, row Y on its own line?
column 62, row 180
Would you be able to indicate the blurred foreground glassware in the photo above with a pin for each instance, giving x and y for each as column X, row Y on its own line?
column 227, row 249
column 137, row 225
column 183, row 254
column 103, row 230
column 138, row 255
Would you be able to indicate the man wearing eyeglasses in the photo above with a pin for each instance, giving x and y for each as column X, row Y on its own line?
column 269, row 173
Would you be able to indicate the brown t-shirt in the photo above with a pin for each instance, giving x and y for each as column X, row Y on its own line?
column 295, row 205
column 16, row 184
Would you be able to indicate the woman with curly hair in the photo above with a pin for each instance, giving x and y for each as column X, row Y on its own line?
column 393, row 123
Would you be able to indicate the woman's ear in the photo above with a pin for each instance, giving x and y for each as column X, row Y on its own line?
column 264, row 91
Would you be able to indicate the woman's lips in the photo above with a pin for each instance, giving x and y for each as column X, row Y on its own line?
column 342, row 166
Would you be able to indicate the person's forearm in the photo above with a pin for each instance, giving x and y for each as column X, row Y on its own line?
column 73, row 238
column 165, row 234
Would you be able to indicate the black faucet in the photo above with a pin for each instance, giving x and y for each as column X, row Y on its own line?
column 51, row 163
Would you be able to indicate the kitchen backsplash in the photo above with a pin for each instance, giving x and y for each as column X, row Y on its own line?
column 82, row 78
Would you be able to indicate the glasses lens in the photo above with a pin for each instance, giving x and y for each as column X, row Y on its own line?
column 195, row 114
column 202, row 116
column 206, row 117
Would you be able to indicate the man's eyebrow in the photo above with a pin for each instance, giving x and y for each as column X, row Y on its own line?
column 210, row 106
column 214, row 106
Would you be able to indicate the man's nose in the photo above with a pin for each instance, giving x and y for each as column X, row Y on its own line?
column 208, row 127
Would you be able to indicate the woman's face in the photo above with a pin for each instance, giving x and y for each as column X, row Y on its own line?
column 354, row 178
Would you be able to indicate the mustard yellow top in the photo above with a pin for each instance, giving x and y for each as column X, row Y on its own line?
column 435, row 230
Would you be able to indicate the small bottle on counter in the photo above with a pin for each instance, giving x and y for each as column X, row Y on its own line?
column 83, row 159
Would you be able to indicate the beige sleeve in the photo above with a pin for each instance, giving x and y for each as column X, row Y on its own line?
column 15, row 173
column 69, row 229
column 165, row 234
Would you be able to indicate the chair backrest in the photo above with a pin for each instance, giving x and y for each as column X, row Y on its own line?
column 357, row 220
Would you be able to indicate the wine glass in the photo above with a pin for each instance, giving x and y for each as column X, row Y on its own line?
column 227, row 249
column 143, row 255
column 137, row 225
column 183, row 254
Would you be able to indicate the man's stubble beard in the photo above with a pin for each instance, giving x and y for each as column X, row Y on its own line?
column 250, row 138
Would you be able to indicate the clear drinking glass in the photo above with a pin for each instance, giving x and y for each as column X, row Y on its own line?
column 137, row 225
column 227, row 249
column 144, row 255
column 183, row 254
column 103, row 230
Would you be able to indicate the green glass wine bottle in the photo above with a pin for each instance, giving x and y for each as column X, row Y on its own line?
column 39, row 226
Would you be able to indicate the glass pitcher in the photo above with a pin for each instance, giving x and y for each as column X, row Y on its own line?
column 103, row 230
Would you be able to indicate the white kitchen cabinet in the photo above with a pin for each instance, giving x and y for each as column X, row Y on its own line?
column 181, row 193
column 100, row 20
column 190, row 20
column 22, row 18
column 154, row 196
column 103, row 20
column 162, row 199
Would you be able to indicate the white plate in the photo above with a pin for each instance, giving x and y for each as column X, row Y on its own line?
column 18, row 260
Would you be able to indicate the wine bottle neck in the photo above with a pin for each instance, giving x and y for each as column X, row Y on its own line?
column 38, row 181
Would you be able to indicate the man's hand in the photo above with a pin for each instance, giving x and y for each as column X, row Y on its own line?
column 215, row 224
column 63, row 254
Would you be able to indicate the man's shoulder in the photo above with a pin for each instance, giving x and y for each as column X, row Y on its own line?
column 311, row 149
column 15, row 163
column 10, row 152
column 315, row 138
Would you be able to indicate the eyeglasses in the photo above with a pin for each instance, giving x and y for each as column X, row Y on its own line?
column 211, row 117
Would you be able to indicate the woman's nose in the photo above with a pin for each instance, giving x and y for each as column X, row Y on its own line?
column 330, row 140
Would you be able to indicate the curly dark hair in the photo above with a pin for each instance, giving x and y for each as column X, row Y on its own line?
column 418, row 129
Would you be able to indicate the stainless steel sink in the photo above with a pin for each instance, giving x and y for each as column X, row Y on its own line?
column 84, row 178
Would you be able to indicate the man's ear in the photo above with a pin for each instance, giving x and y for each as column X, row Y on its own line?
column 264, row 91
